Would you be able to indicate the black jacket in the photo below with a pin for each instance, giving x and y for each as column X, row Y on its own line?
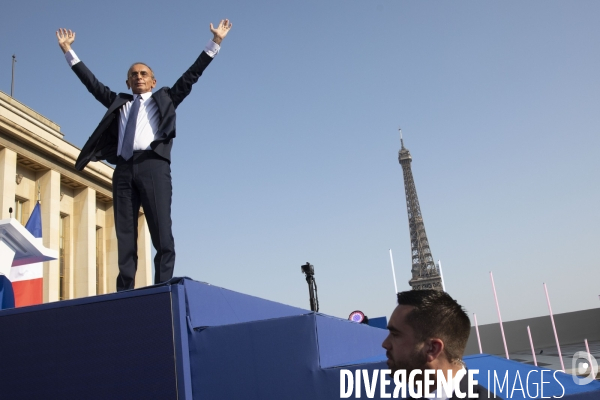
column 102, row 144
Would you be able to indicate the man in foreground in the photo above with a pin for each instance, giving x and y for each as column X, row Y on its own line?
column 136, row 134
column 429, row 330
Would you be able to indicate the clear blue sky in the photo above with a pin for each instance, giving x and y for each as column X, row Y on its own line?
column 287, row 147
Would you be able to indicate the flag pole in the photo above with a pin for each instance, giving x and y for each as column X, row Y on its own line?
column 478, row 337
column 499, row 317
column 12, row 79
column 393, row 272
column 441, row 275
column 587, row 348
column 532, row 348
column 562, row 364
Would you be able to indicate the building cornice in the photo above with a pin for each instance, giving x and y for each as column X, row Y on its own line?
column 38, row 132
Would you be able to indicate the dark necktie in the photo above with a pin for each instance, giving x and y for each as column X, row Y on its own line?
column 129, row 136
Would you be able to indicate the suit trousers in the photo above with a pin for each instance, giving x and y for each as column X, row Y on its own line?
column 144, row 179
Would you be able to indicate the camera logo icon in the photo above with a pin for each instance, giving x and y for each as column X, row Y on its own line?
column 583, row 364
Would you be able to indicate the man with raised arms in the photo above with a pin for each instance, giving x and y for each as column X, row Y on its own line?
column 429, row 330
column 136, row 134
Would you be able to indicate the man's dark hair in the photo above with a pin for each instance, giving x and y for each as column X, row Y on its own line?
column 437, row 315
column 140, row 63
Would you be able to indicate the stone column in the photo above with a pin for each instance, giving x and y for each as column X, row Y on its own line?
column 8, row 172
column 112, row 252
column 84, row 242
column 70, row 257
column 143, row 275
column 50, row 208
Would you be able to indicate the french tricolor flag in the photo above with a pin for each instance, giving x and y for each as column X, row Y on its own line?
column 27, row 280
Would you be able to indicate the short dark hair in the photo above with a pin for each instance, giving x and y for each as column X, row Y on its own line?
column 140, row 63
column 437, row 315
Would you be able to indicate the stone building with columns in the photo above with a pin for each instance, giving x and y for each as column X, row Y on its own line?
column 36, row 163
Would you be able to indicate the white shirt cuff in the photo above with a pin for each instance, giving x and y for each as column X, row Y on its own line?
column 212, row 49
column 71, row 58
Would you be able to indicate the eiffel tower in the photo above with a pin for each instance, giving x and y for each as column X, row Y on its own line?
column 425, row 274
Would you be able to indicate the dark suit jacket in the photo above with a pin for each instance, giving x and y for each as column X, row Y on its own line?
column 102, row 144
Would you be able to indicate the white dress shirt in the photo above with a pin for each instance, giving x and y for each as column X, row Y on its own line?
column 148, row 117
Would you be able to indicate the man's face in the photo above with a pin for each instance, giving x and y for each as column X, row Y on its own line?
column 402, row 348
column 140, row 79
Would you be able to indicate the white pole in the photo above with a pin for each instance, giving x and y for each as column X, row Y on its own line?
column 478, row 337
column 562, row 364
column 587, row 348
column 532, row 348
column 499, row 317
column 393, row 272
column 441, row 275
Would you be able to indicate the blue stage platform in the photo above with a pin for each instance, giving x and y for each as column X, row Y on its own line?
column 186, row 340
